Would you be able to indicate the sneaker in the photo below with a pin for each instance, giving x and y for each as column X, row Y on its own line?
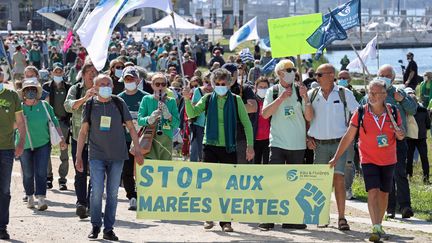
column 94, row 233
column 4, row 235
column 132, row 204
column 294, row 226
column 49, row 185
column 375, row 236
column 391, row 213
column 63, row 187
column 266, row 226
column 407, row 212
column 227, row 228
column 25, row 199
column 81, row 211
column 30, row 201
column 208, row 224
column 383, row 234
column 42, row 205
column 110, row 236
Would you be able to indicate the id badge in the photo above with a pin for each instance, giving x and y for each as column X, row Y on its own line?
column 289, row 111
column 166, row 126
column 382, row 141
column 105, row 123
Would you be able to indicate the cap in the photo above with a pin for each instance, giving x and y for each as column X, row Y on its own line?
column 409, row 90
column 57, row 65
column 232, row 67
column 130, row 71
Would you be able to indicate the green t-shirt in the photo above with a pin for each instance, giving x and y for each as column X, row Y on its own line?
column 133, row 102
column 9, row 105
column 37, row 124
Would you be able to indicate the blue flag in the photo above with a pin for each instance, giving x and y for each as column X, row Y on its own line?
column 2, row 49
column 326, row 33
column 348, row 14
column 270, row 66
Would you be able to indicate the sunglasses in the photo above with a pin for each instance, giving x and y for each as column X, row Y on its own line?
column 291, row 70
column 121, row 67
column 220, row 84
column 319, row 75
column 160, row 84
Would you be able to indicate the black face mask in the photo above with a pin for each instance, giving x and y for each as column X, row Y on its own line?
column 311, row 75
column 30, row 94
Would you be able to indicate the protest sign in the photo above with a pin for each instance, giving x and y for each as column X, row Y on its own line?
column 172, row 190
column 288, row 35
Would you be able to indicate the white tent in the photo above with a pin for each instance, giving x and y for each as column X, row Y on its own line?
column 165, row 25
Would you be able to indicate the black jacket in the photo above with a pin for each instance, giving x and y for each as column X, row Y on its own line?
column 423, row 121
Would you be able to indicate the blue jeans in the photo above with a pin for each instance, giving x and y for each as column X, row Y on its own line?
column 6, row 163
column 196, row 146
column 113, row 171
column 34, row 165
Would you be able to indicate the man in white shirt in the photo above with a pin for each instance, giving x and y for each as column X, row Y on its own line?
column 144, row 60
column 332, row 106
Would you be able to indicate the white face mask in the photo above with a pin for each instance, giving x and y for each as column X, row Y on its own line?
column 261, row 93
column 130, row 86
column 57, row 79
column 289, row 77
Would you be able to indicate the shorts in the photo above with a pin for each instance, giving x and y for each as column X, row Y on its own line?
column 377, row 176
column 325, row 152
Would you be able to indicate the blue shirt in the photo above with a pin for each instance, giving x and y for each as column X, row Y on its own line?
column 200, row 121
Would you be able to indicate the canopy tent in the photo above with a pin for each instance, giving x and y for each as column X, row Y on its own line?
column 165, row 25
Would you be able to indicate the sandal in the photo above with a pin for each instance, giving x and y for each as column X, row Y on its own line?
column 343, row 224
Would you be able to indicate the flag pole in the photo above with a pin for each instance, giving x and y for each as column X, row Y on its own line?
column 358, row 56
column 178, row 50
column 299, row 68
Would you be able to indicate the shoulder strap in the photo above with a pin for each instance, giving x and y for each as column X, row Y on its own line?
column 89, row 106
column 394, row 112
column 78, row 91
column 342, row 97
column 119, row 105
column 207, row 101
column 360, row 115
column 275, row 92
column 314, row 94
column 297, row 90
column 200, row 91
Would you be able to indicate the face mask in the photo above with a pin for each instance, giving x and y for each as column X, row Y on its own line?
column 343, row 82
column 30, row 94
column 271, row 85
column 1, row 87
column 34, row 79
column 57, row 79
column 105, row 92
column 118, row 73
column 261, row 93
column 289, row 77
column 221, row 90
column 388, row 82
column 130, row 86
column 258, row 66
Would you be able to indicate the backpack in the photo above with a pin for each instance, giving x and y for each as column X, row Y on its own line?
column 115, row 99
column 275, row 89
column 360, row 117
column 342, row 97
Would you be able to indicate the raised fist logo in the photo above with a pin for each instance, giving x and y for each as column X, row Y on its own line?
column 313, row 206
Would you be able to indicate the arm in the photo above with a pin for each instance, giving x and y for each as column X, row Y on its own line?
column 194, row 111
column 346, row 141
column 409, row 105
column 134, row 135
column 251, row 106
column 175, row 117
column 143, row 113
column 19, row 120
column 247, row 126
column 80, row 146
column 410, row 77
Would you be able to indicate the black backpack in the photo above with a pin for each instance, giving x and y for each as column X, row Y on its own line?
column 115, row 99
column 361, row 111
column 342, row 97
column 275, row 89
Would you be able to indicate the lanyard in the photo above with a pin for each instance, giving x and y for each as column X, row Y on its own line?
column 376, row 119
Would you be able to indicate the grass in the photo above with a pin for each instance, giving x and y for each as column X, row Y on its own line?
column 421, row 195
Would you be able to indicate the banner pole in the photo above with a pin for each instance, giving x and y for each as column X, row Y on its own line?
column 299, row 68
column 178, row 50
column 358, row 56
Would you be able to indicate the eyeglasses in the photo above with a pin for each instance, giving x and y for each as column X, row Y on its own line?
column 342, row 78
column 194, row 86
column 120, row 67
column 291, row 70
column 319, row 75
column 220, row 84
column 160, row 84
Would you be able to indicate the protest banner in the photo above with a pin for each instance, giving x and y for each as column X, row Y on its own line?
column 288, row 35
column 172, row 190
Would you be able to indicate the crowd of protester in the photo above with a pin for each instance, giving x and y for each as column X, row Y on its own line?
column 230, row 113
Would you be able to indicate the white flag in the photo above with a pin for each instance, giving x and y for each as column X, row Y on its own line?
column 95, row 33
column 369, row 51
column 248, row 31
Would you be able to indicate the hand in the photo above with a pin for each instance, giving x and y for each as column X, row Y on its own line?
column 250, row 153
column 165, row 112
column 186, row 93
column 332, row 162
column 90, row 93
column 311, row 208
column 286, row 94
column 311, row 144
column 303, row 91
column 154, row 116
column 139, row 158
column 400, row 134
column 19, row 150
column 406, row 84
column 63, row 145
column 79, row 163
column 398, row 96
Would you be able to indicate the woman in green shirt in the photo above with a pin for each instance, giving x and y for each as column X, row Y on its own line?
column 37, row 148
column 223, row 109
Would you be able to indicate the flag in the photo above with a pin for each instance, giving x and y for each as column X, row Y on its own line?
column 95, row 32
column 265, row 44
column 326, row 33
column 246, row 55
column 370, row 51
column 348, row 14
column 68, row 41
column 2, row 49
column 248, row 31
column 270, row 66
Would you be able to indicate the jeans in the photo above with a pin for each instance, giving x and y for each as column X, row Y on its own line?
column 80, row 184
column 128, row 176
column 34, row 166
column 98, row 170
column 196, row 147
column 400, row 191
column 6, row 163
column 64, row 158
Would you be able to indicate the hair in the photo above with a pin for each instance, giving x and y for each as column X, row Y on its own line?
column 113, row 63
column 100, row 77
column 377, row 82
column 262, row 79
column 32, row 69
column 220, row 74
column 86, row 66
column 159, row 75
column 196, row 79
column 388, row 66
column 281, row 65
